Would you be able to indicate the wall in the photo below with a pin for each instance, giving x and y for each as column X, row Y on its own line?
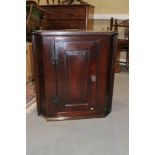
column 105, row 9
column 110, row 6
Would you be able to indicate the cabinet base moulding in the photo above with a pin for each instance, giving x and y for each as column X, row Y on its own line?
column 57, row 118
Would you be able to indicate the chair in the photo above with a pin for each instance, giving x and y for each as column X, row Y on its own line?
column 122, row 42
column 35, row 18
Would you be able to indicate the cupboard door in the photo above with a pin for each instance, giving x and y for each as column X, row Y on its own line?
column 76, row 72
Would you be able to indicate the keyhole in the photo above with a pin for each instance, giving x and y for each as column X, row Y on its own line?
column 91, row 108
column 93, row 78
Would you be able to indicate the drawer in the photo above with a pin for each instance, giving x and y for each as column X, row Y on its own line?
column 65, row 24
column 53, row 13
column 65, row 12
column 73, row 13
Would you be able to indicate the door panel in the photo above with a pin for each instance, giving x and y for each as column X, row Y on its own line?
column 76, row 75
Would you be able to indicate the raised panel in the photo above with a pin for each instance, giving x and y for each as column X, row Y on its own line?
column 77, row 76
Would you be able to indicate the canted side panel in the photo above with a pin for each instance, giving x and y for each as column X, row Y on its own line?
column 104, row 75
column 111, row 73
column 50, row 76
column 39, row 73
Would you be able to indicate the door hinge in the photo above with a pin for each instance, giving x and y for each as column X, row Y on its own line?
column 56, row 99
column 55, row 59
column 54, row 56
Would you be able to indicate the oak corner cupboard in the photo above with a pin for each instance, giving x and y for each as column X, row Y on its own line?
column 74, row 72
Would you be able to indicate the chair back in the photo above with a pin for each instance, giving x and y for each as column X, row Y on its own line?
column 35, row 18
column 121, row 27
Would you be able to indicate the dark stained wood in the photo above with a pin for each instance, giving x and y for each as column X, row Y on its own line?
column 110, row 77
column 80, row 62
column 69, row 16
column 39, row 74
column 74, row 72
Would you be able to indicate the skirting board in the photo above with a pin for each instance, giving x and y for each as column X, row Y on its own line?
column 108, row 16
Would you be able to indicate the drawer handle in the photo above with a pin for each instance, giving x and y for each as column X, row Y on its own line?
column 91, row 108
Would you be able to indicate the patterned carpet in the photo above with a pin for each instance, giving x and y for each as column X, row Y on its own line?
column 30, row 94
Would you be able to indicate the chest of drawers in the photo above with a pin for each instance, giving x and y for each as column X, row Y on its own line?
column 69, row 16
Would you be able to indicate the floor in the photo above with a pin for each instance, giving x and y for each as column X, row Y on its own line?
column 102, row 136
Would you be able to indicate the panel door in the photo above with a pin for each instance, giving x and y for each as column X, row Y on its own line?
column 76, row 71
